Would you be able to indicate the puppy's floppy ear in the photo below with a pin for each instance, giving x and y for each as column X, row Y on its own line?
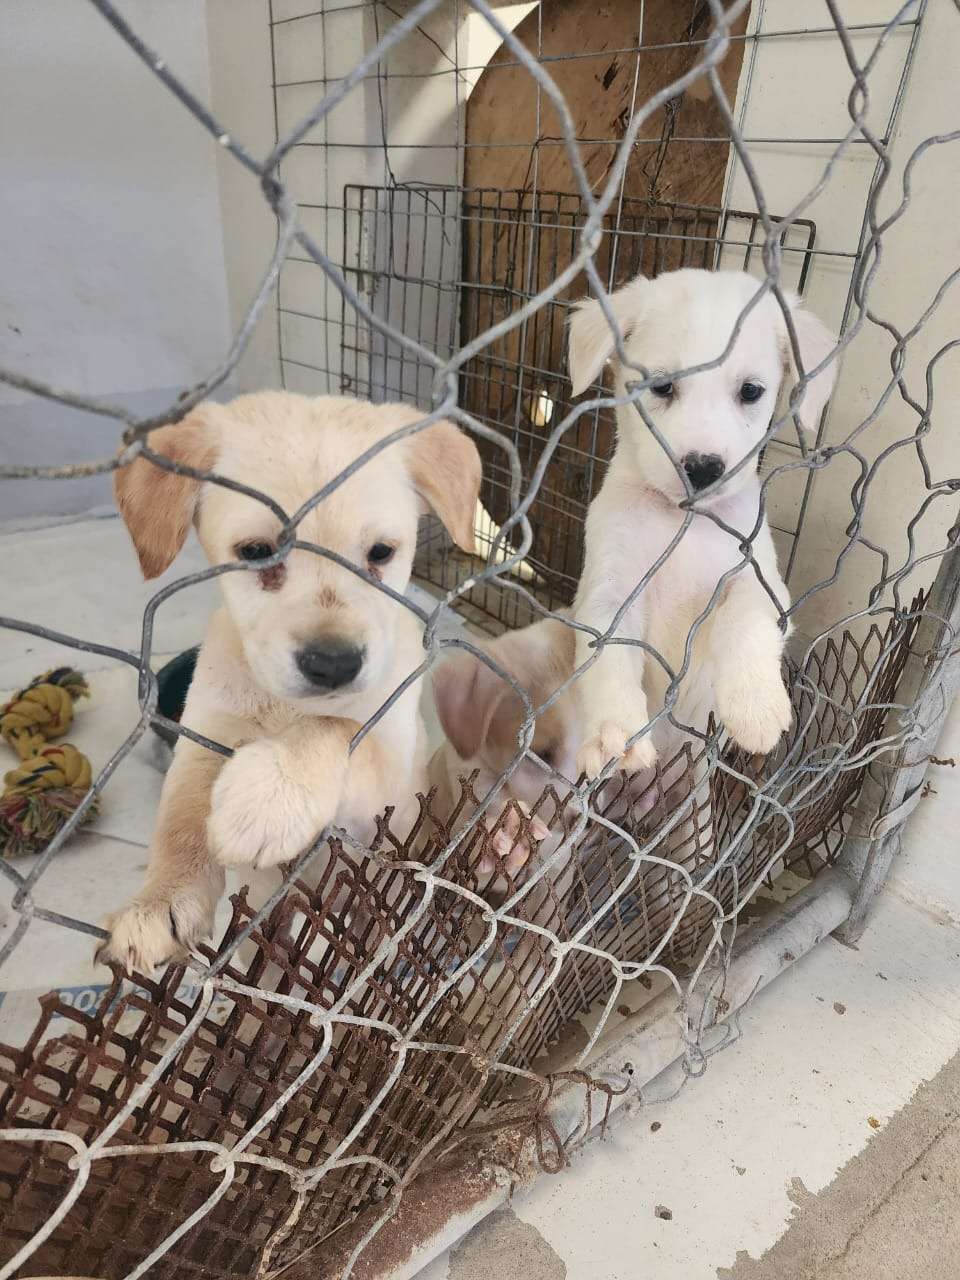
column 815, row 342
column 158, row 506
column 592, row 342
column 446, row 470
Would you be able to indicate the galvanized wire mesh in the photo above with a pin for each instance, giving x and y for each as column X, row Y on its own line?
column 232, row 1129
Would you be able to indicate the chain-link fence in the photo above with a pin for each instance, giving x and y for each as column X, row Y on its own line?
column 377, row 1046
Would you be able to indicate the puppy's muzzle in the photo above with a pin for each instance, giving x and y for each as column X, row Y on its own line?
column 703, row 469
column 330, row 665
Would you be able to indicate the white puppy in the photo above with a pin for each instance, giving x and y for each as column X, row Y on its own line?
column 710, row 421
column 304, row 651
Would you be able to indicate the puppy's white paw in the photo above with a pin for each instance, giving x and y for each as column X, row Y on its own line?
column 608, row 742
column 510, row 843
column 259, row 815
column 755, row 715
column 154, row 930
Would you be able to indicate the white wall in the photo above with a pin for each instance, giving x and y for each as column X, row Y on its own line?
column 112, row 265
column 800, row 89
column 134, row 244
column 241, row 77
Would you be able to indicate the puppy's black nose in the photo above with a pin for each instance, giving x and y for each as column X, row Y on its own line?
column 330, row 665
column 703, row 469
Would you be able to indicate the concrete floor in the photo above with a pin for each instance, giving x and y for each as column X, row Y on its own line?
column 890, row 1214
column 807, row 1150
column 892, row 1211
column 823, row 1145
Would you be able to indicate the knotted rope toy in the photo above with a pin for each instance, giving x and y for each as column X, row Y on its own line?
column 49, row 783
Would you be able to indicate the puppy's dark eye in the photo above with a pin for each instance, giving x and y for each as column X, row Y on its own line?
column 254, row 550
column 663, row 389
column 751, row 392
column 547, row 754
column 380, row 553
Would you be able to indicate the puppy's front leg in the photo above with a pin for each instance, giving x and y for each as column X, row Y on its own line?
column 613, row 705
column 174, row 910
column 746, row 648
column 275, row 796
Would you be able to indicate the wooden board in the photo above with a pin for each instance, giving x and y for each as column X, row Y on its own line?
column 522, row 213
column 601, row 84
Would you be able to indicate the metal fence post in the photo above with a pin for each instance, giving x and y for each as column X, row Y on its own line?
column 925, row 691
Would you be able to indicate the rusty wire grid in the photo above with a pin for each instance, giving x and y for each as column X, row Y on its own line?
column 236, row 1125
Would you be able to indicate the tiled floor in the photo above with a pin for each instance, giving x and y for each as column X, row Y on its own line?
column 843, row 1039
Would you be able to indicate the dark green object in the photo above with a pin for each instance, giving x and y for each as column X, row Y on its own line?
column 173, row 683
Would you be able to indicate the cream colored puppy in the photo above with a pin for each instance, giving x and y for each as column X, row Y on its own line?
column 710, row 420
column 301, row 654
column 481, row 716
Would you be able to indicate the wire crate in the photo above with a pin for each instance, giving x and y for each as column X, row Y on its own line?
column 510, row 245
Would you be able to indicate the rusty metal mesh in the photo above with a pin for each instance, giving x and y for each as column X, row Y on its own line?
column 226, row 1128
column 418, row 1045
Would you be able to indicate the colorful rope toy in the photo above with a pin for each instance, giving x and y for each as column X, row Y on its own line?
column 49, row 783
